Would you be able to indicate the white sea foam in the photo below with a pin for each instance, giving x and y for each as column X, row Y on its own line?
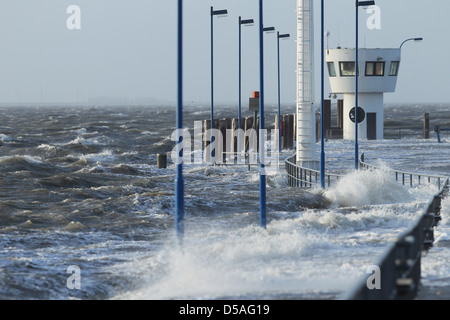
column 5, row 138
column 240, row 263
column 47, row 147
column 315, row 252
column 367, row 187
column 29, row 159
column 105, row 155
column 81, row 131
column 312, row 252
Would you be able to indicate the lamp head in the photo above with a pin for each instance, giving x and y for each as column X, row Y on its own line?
column 269, row 29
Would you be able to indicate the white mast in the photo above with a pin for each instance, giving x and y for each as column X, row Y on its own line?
column 306, row 136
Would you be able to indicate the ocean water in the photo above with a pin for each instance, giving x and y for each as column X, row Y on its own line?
column 80, row 188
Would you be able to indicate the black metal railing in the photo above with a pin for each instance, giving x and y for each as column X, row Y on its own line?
column 399, row 267
column 303, row 177
column 407, row 178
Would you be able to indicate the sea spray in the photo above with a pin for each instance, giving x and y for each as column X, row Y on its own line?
column 238, row 262
column 367, row 187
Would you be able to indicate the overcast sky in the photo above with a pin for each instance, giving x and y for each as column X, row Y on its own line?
column 126, row 50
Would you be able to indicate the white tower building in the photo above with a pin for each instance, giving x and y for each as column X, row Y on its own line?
column 306, row 137
column 378, row 73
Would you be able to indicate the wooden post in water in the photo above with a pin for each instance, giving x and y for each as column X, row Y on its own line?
column 247, row 126
column 234, row 127
column 224, row 125
column 281, row 133
column 426, row 126
column 290, row 131
column 294, row 139
column 284, row 137
column 207, row 139
column 161, row 161
column 318, row 131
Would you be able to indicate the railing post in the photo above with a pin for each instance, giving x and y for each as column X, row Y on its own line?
column 437, row 129
column 288, row 169
column 306, row 178
column 300, row 176
column 310, row 178
column 437, row 201
column 430, row 221
column 404, row 260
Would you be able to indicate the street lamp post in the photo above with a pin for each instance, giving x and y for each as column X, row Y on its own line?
column 262, row 173
column 246, row 22
column 411, row 39
column 262, row 170
column 358, row 4
column 279, row 36
column 179, row 184
column 213, row 13
column 322, row 108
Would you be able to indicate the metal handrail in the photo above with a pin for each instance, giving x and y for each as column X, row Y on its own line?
column 399, row 266
column 404, row 175
column 299, row 176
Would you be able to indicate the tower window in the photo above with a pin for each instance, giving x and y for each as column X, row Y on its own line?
column 375, row 69
column 347, row 69
column 393, row 70
column 331, row 69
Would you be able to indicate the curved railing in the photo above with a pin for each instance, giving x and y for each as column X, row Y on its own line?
column 302, row 177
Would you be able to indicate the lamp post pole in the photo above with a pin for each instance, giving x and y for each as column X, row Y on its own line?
column 241, row 22
column 358, row 4
column 212, row 84
column 356, row 86
column 240, row 91
column 279, row 36
column 322, row 85
column 179, row 184
column 262, row 147
column 262, row 173
column 213, row 13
